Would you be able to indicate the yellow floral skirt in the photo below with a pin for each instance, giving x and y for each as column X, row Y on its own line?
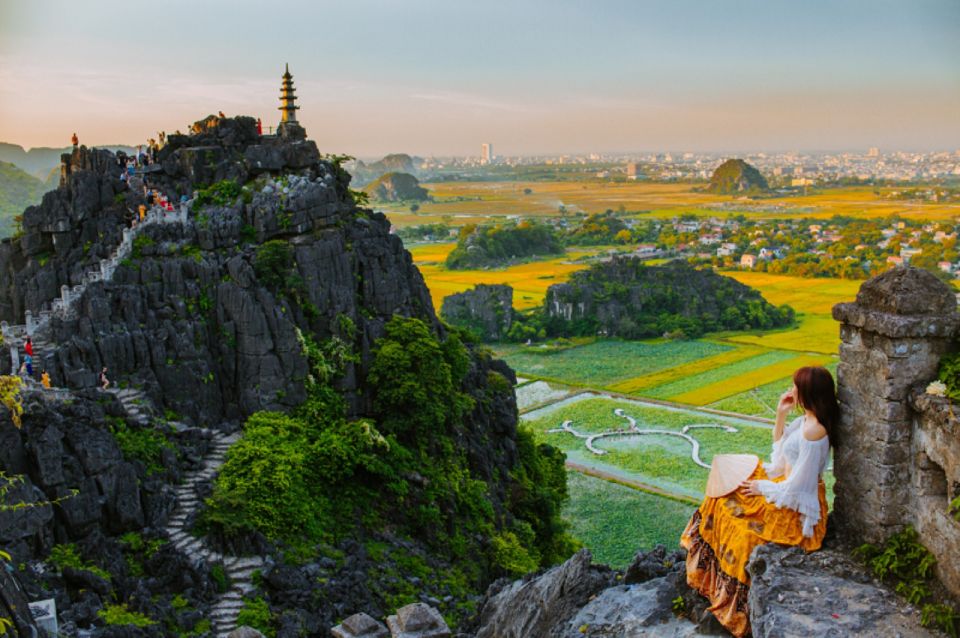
column 720, row 537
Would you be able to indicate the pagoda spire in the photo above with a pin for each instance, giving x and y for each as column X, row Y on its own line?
column 288, row 98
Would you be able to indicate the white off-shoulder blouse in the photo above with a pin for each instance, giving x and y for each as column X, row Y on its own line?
column 807, row 461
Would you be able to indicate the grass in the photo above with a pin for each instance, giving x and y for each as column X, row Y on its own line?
column 694, row 382
column 609, row 362
column 615, row 521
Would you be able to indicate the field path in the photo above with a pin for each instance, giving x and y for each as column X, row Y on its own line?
column 621, row 479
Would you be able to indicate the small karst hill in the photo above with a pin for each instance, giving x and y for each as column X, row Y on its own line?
column 736, row 176
column 396, row 187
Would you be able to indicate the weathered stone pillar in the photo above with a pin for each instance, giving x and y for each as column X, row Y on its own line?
column 28, row 320
column 892, row 338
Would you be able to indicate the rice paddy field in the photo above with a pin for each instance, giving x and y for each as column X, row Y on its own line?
column 616, row 521
column 477, row 202
column 699, row 373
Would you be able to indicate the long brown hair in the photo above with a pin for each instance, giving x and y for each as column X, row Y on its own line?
column 816, row 392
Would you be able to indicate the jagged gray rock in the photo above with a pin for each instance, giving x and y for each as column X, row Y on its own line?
column 245, row 632
column 360, row 626
column 645, row 609
column 417, row 620
column 541, row 605
column 485, row 308
column 824, row 593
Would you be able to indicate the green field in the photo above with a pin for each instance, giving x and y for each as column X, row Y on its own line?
column 615, row 521
column 608, row 362
column 662, row 461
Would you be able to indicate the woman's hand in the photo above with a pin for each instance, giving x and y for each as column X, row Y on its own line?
column 788, row 401
column 750, row 488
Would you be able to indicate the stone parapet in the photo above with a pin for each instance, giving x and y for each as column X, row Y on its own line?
column 891, row 448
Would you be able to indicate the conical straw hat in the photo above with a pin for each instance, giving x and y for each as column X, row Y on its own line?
column 728, row 472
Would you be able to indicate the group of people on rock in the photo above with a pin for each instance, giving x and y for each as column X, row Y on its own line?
column 26, row 367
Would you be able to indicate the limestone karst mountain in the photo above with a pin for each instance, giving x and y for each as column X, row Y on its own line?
column 269, row 297
column 735, row 176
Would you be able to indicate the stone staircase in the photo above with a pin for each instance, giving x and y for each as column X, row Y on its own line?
column 239, row 570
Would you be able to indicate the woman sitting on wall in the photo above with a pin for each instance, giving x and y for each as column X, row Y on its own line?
column 749, row 503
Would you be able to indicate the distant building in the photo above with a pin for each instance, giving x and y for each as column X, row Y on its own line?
column 486, row 153
column 748, row 261
column 907, row 253
column 726, row 249
column 945, row 266
column 873, row 152
column 633, row 170
column 896, row 261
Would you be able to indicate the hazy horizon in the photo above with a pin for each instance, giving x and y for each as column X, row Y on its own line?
column 433, row 78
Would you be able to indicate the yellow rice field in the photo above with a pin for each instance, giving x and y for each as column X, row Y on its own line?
column 529, row 281
column 461, row 203
column 747, row 381
column 638, row 384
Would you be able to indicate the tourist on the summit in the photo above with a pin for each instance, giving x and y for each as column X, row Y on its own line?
column 259, row 127
column 75, row 140
column 45, row 379
column 221, row 115
column 103, row 380
column 28, row 346
column 782, row 502
column 142, row 210
column 28, row 364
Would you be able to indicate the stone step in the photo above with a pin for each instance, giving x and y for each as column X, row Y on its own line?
column 242, row 562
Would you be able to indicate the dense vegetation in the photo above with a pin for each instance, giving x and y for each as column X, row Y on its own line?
column 425, row 232
column 497, row 245
column 17, row 191
column 315, row 476
column 625, row 298
column 598, row 229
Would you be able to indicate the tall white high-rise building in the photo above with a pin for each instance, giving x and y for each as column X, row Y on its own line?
column 486, row 153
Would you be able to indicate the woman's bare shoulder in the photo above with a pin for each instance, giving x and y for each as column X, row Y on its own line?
column 814, row 431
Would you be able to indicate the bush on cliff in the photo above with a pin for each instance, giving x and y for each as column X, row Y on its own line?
column 315, row 476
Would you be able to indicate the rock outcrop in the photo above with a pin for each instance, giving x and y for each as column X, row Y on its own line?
column 823, row 593
column 485, row 309
column 396, row 187
column 735, row 176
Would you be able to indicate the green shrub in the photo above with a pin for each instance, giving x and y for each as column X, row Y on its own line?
column 256, row 613
column 120, row 615
column 140, row 242
column 142, row 444
column 220, row 578
column 906, row 564
column 222, row 193
column 67, row 555
column 510, row 556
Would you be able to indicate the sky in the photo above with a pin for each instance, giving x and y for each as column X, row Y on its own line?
column 440, row 77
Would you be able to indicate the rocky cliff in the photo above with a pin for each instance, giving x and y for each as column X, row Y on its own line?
column 199, row 324
column 485, row 309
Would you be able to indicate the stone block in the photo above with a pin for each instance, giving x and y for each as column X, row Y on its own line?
column 245, row 632
column 418, row 620
column 360, row 626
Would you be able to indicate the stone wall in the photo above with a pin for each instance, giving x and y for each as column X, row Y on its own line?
column 897, row 451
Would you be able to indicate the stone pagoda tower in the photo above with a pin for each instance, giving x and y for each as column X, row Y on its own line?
column 289, row 128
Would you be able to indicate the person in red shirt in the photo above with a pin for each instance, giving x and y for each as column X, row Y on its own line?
column 28, row 346
column 259, row 127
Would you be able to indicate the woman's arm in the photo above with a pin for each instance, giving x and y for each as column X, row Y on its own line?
column 799, row 491
column 787, row 402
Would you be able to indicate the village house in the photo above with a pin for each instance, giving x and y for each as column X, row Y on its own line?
column 726, row 249
column 748, row 261
column 896, row 261
column 945, row 266
column 907, row 253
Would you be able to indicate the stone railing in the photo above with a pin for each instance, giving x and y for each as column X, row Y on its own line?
column 65, row 306
column 896, row 456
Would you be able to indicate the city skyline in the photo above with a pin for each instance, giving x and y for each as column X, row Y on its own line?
column 534, row 78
